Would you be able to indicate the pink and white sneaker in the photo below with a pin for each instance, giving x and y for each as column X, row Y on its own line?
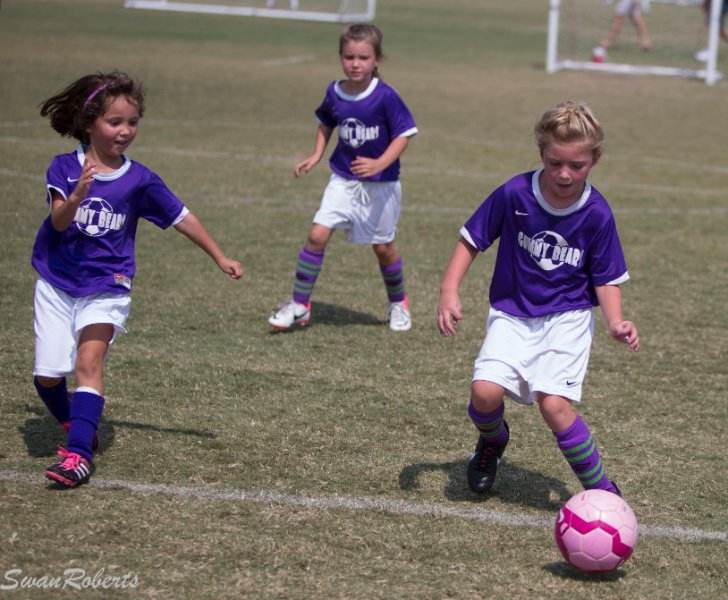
column 398, row 316
column 290, row 313
column 73, row 470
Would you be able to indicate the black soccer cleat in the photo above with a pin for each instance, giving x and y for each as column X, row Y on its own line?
column 483, row 465
column 73, row 470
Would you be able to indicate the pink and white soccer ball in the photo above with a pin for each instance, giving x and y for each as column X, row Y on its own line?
column 596, row 531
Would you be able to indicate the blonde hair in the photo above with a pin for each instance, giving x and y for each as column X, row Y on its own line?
column 363, row 32
column 568, row 123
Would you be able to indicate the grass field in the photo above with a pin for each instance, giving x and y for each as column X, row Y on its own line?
column 330, row 462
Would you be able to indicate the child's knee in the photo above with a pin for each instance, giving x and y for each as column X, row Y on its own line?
column 89, row 363
column 486, row 396
column 557, row 411
column 386, row 253
column 318, row 237
column 48, row 382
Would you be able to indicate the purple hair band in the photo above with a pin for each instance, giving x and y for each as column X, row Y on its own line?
column 93, row 94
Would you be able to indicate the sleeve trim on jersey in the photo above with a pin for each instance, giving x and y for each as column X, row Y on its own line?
column 185, row 211
column 466, row 234
column 409, row 133
column 621, row 279
column 57, row 189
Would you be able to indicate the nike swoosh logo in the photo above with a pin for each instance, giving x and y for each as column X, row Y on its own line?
column 69, row 180
column 521, row 214
column 570, row 383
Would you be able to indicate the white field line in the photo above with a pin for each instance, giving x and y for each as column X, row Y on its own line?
column 683, row 192
column 444, row 209
column 395, row 507
column 675, row 164
column 21, row 174
column 635, row 210
column 287, row 60
column 18, row 124
column 687, row 209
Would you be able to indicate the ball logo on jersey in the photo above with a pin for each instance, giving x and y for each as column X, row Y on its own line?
column 96, row 218
column 549, row 250
column 354, row 133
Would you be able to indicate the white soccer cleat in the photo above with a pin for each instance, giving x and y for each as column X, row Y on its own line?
column 702, row 55
column 290, row 313
column 398, row 316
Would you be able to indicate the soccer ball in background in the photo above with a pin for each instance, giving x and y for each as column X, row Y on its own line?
column 599, row 55
column 596, row 531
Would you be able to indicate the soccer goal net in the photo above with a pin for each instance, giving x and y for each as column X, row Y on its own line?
column 336, row 11
column 657, row 37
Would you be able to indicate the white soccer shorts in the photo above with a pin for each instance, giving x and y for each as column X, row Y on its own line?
column 368, row 212
column 629, row 8
column 59, row 320
column 529, row 355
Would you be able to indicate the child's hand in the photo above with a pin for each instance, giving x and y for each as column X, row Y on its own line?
column 232, row 267
column 365, row 167
column 449, row 313
column 305, row 165
column 625, row 332
column 85, row 180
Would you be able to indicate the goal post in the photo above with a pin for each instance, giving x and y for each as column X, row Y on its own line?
column 333, row 11
column 683, row 44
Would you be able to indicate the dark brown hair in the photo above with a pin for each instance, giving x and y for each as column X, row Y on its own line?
column 73, row 110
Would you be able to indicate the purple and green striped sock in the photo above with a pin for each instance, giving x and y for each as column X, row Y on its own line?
column 578, row 447
column 308, row 268
column 393, row 280
column 491, row 425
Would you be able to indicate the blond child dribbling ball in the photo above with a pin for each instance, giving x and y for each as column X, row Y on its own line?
column 559, row 256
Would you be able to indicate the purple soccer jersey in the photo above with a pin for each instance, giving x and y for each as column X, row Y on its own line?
column 548, row 260
column 96, row 253
column 367, row 123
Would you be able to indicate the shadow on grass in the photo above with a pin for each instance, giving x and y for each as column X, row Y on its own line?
column 323, row 313
column 43, row 435
column 514, row 485
column 566, row 571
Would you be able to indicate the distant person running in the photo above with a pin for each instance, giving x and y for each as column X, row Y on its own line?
column 558, row 256
column 632, row 9
column 363, row 196
column 84, row 253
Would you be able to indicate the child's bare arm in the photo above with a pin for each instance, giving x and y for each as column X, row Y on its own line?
column 323, row 134
column 610, row 301
column 193, row 229
column 449, row 310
